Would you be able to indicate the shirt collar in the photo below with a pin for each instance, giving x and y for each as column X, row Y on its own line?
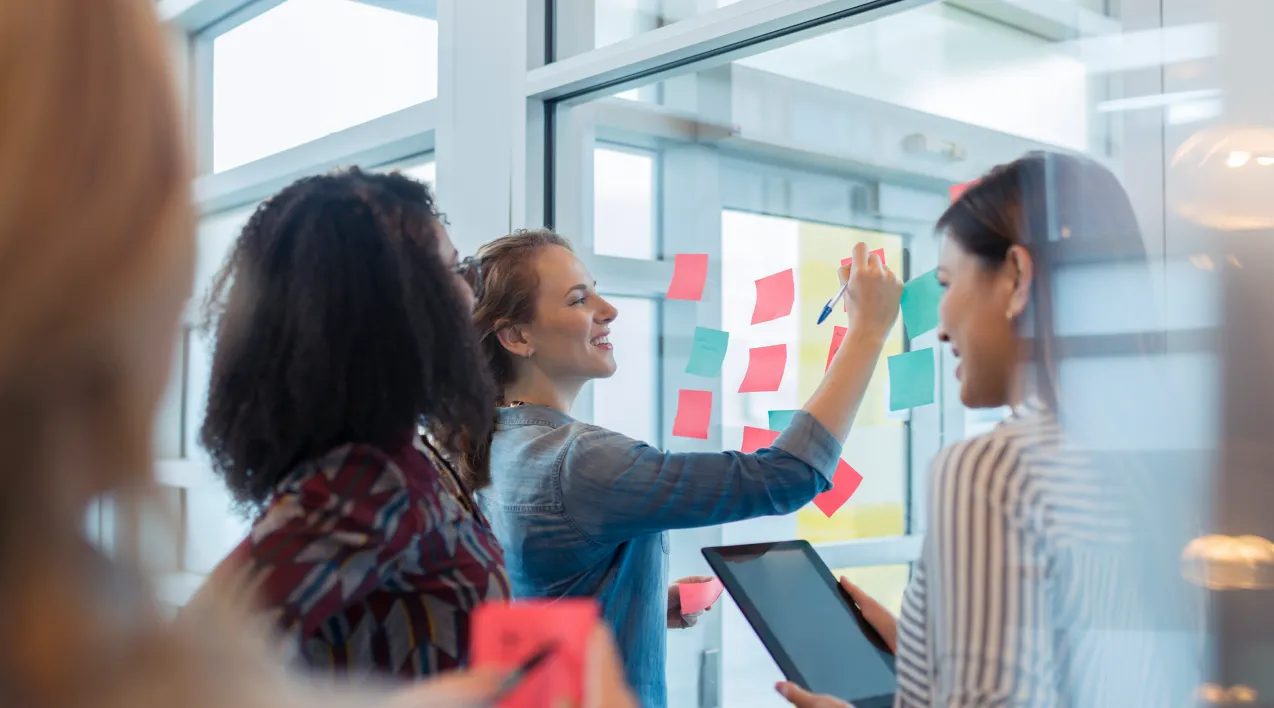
column 532, row 415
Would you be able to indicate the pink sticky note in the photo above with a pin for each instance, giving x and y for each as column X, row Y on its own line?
column 689, row 273
column 959, row 189
column 694, row 413
column 697, row 597
column 765, row 369
column 838, row 336
column 844, row 483
column 774, row 297
column 756, row 438
column 880, row 253
column 506, row 634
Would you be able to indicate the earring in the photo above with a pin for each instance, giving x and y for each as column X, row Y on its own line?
column 1008, row 315
column 527, row 355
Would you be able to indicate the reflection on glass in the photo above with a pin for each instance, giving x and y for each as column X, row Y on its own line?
column 786, row 157
column 1226, row 174
column 947, row 62
column 308, row 68
column 1229, row 562
column 582, row 25
column 1211, row 694
column 885, row 583
column 624, row 203
column 425, row 172
column 754, row 246
column 628, row 402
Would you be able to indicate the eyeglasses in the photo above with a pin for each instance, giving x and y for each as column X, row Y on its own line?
column 470, row 269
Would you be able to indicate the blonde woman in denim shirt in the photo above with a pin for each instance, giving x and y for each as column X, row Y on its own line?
column 583, row 511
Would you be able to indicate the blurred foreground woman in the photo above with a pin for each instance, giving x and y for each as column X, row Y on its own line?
column 96, row 251
column 1042, row 581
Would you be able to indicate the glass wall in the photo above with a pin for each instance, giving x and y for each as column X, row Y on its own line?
column 308, row 68
column 582, row 25
column 769, row 136
column 783, row 157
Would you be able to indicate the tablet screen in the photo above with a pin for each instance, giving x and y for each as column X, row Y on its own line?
column 786, row 588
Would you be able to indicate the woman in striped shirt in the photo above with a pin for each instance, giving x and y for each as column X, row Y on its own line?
column 1022, row 594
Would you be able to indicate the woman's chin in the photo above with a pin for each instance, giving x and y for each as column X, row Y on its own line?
column 607, row 368
column 972, row 397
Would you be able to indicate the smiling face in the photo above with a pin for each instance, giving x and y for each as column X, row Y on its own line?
column 976, row 317
column 568, row 336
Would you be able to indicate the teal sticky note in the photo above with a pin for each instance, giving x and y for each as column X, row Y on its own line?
column 920, row 298
column 708, row 352
column 779, row 420
column 911, row 379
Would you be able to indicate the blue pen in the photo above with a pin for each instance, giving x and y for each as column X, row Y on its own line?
column 827, row 309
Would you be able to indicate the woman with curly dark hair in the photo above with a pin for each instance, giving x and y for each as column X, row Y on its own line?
column 346, row 379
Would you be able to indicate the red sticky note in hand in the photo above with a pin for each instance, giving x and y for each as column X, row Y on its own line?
column 880, row 253
column 838, row 336
column 689, row 273
column 765, row 369
column 844, row 483
column 504, row 635
column 694, row 413
column 756, row 438
column 697, row 597
column 774, row 297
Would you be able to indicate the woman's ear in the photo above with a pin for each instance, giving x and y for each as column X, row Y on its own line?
column 514, row 341
column 1022, row 267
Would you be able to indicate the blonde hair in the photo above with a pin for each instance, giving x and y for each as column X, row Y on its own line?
column 96, row 259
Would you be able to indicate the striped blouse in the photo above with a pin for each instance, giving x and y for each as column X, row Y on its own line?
column 1022, row 594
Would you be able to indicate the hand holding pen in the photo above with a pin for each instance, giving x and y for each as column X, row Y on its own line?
column 871, row 292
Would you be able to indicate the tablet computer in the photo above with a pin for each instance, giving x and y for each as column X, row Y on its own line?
column 806, row 620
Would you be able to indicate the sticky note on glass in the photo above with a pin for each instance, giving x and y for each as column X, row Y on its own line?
column 959, row 189
column 765, row 369
column 838, row 336
column 697, row 597
column 844, row 483
column 694, row 413
column 779, row 420
column 911, row 379
column 774, row 296
column 689, row 273
column 504, row 635
column 756, row 438
column 707, row 352
column 920, row 299
column 880, row 253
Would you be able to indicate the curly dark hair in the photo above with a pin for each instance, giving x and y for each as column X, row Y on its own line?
column 337, row 321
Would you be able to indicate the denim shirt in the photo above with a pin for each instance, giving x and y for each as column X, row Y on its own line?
column 583, row 512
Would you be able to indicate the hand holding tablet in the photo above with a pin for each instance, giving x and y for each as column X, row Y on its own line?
column 819, row 636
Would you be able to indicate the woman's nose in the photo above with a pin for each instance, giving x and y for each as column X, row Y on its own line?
column 942, row 334
column 608, row 312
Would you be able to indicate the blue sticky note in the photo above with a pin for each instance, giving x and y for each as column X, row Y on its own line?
column 779, row 420
column 911, row 379
column 920, row 298
column 708, row 352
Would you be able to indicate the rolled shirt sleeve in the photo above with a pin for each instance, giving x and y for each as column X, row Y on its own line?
column 616, row 488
